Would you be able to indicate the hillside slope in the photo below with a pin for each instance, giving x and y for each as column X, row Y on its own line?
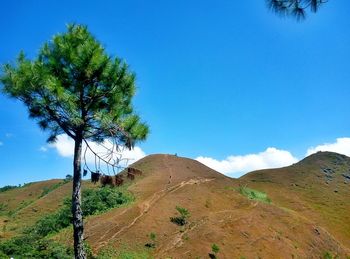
column 289, row 227
column 317, row 187
column 22, row 207
column 219, row 214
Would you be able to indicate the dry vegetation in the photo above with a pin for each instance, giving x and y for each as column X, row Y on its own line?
column 298, row 211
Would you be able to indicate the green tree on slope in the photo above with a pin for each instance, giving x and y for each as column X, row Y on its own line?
column 74, row 87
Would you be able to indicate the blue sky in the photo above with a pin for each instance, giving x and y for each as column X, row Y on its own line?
column 215, row 79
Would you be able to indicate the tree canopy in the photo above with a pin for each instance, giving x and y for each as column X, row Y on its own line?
column 73, row 86
column 295, row 8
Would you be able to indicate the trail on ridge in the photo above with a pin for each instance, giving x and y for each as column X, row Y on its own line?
column 146, row 205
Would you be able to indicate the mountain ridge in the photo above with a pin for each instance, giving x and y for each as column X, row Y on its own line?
column 288, row 226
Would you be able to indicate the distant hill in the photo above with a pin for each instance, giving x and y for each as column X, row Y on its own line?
column 318, row 187
column 306, row 218
column 23, row 206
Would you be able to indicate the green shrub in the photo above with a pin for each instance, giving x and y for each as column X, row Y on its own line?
column 54, row 186
column 328, row 255
column 254, row 194
column 3, row 207
column 22, row 205
column 34, row 242
column 152, row 236
column 94, row 201
column 8, row 187
column 53, row 223
column 99, row 200
column 182, row 219
column 215, row 248
column 29, row 246
column 151, row 244
column 124, row 253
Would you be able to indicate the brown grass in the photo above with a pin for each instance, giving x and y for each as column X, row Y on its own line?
column 303, row 221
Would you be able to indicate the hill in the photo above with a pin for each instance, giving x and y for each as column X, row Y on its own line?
column 242, row 227
column 23, row 206
column 318, row 187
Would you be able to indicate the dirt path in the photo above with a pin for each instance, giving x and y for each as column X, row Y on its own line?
column 170, row 169
column 177, row 239
column 145, row 205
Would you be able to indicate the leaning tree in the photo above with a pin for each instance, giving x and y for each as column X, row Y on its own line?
column 74, row 87
column 295, row 8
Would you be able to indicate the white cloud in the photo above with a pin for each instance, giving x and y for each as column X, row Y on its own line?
column 8, row 135
column 235, row 166
column 43, row 149
column 341, row 146
column 65, row 147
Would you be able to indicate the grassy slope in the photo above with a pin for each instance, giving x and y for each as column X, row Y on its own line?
column 292, row 225
column 306, row 189
column 25, row 205
column 219, row 214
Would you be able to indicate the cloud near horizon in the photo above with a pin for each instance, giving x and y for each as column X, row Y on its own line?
column 236, row 166
column 341, row 146
column 65, row 148
column 233, row 166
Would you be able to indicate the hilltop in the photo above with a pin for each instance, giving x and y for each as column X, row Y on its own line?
column 317, row 187
column 304, row 215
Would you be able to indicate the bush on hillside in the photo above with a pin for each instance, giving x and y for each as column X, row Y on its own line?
column 8, row 187
column 124, row 252
column 54, row 186
column 254, row 194
column 96, row 201
column 34, row 242
column 152, row 243
column 29, row 246
column 182, row 219
column 53, row 222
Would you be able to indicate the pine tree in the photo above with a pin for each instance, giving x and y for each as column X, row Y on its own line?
column 295, row 8
column 74, row 87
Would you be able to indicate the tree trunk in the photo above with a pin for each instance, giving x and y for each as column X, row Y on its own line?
column 78, row 227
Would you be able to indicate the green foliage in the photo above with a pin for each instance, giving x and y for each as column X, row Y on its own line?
column 3, row 207
column 151, row 244
column 254, row 194
column 22, row 205
column 49, row 189
column 207, row 203
column 124, row 253
column 96, row 201
column 8, row 187
column 183, row 218
column 152, row 236
column 215, row 248
column 295, row 8
column 53, row 223
column 328, row 255
column 34, row 242
column 30, row 246
column 68, row 178
column 73, row 86
column 183, row 212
